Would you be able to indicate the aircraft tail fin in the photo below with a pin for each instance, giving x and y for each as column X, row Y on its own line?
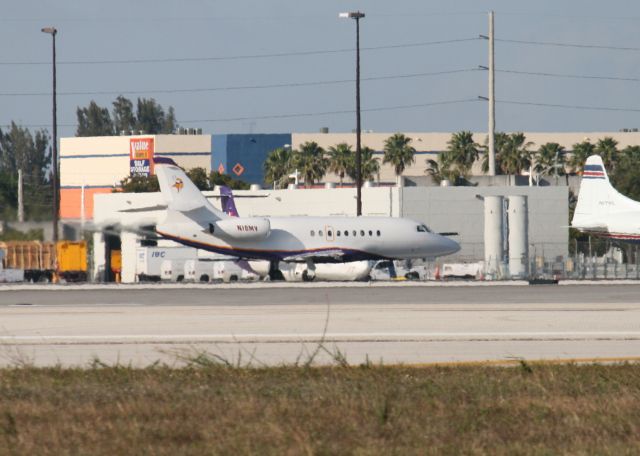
column 597, row 198
column 179, row 192
column 227, row 201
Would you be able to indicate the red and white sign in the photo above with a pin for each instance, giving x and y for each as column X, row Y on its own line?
column 141, row 152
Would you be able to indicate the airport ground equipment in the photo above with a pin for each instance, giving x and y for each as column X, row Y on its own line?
column 152, row 261
column 46, row 261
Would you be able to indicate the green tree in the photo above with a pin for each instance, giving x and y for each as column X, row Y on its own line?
column 94, row 121
column 550, row 160
column 607, row 148
column 626, row 178
column 399, row 152
column 139, row 184
column 20, row 150
column 224, row 179
column 441, row 169
column 277, row 167
column 151, row 117
column 512, row 154
column 310, row 161
column 340, row 158
column 199, row 177
column 370, row 165
column 462, row 152
column 123, row 117
column 579, row 154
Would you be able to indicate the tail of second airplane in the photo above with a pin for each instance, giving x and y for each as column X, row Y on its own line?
column 180, row 193
column 598, row 199
column 227, row 202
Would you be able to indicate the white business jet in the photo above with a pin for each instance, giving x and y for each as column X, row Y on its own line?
column 192, row 220
column 601, row 209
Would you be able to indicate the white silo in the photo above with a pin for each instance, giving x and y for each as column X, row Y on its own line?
column 493, row 240
column 518, row 236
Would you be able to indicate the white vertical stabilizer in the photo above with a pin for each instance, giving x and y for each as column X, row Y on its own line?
column 598, row 200
column 179, row 192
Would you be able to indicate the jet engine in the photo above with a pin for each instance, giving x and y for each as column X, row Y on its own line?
column 241, row 228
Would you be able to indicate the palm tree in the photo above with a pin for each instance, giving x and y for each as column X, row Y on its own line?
column 310, row 162
column 277, row 167
column 579, row 154
column 500, row 141
column 441, row 169
column 370, row 165
column 550, row 159
column 399, row 152
column 340, row 158
column 607, row 148
column 462, row 152
column 512, row 154
column 516, row 157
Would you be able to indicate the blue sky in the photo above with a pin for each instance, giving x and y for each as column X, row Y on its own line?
column 228, row 33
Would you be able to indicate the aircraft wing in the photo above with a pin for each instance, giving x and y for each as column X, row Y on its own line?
column 334, row 255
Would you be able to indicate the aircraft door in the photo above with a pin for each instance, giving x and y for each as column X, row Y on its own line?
column 329, row 233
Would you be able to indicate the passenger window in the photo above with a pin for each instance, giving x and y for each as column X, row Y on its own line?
column 361, row 232
column 378, row 232
column 329, row 233
column 338, row 233
column 370, row 233
column 313, row 233
column 355, row 233
column 346, row 233
column 319, row 232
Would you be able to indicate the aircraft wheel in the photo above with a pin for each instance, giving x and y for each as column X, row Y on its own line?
column 306, row 277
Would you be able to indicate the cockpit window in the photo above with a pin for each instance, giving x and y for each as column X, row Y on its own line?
column 423, row 229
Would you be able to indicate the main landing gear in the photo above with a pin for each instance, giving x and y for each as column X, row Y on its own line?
column 274, row 272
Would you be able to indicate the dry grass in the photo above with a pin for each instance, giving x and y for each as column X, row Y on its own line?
column 216, row 409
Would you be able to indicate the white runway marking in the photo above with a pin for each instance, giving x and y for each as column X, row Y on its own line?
column 541, row 335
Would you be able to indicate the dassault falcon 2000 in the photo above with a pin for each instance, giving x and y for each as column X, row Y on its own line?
column 191, row 220
column 603, row 211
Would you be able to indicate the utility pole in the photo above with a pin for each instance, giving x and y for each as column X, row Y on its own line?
column 20, row 200
column 357, row 15
column 54, row 155
column 492, row 101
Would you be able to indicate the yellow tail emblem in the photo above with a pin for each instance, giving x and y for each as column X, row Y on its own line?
column 178, row 184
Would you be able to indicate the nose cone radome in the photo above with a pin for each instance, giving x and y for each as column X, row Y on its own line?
column 449, row 246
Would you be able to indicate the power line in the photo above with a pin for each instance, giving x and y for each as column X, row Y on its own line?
column 569, row 45
column 242, row 57
column 327, row 113
column 563, row 106
column 308, row 114
column 569, row 76
column 245, row 87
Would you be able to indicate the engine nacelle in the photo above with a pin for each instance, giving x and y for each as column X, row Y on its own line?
column 243, row 228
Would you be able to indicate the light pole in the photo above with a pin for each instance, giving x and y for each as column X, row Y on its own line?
column 357, row 15
column 54, row 156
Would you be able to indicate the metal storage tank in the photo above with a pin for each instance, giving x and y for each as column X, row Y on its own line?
column 518, row 236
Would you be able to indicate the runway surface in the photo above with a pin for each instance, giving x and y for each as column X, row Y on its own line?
column 273, row 325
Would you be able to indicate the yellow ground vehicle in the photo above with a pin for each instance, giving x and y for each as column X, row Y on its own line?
column 44, row 261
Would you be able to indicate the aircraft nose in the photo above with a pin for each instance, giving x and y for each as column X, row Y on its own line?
column 450, row 246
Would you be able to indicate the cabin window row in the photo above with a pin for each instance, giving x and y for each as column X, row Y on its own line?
column 346, row 233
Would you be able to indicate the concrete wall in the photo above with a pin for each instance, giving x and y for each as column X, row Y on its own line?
column 458, row 209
